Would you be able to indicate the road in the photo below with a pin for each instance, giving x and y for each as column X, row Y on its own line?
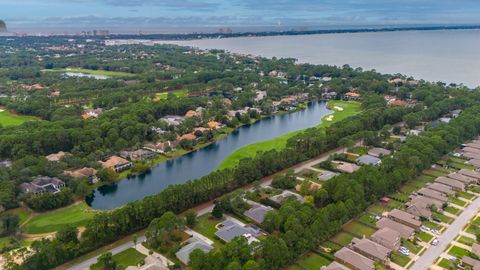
column 208, row 206
column 433, row 252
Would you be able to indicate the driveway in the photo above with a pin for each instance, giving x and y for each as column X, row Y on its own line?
column 433, row 252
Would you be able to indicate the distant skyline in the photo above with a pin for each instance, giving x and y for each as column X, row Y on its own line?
column 156, row 16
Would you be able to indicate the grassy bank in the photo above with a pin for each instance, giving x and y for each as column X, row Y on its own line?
column 349, row 109
column 91, row 71
column 77, row 215
column 8, row 118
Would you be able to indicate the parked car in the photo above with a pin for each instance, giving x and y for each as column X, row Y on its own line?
column 435, row 242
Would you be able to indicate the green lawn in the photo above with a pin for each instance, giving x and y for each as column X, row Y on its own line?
column 367, row 218
column 401, row 197
column 206, row 226
column 415, row 249
column 91, row 71
column 452, row 210
column 377, row 209
column 442, row 218
column 465, row 195
column 8, row 118
column 129, row 257
column 22, row 213
column 457, row 201
column 77, row 215
column 462, row 166
column 424, row 236
column 313, row 261
column 446, row 264
column 342, row 238
column 466, row 240
column 278, row 143
column 359, row 229
column 408, row 188
column 432, row 225
column 458, row 252
column 399, row 258
column 434, row 173
column 177, row 93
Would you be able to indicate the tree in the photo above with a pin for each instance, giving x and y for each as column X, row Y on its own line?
column 217, row 211
column 274, row 253
column 191, row 218
column 251, row 265
column 8, row 223
column 106, row 262
column 67, row 234
column 107, row 175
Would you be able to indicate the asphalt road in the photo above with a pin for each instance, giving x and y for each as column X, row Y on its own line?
column 433, row 252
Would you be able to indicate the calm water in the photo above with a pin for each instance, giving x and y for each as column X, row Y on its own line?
column 80, row 74
column 448, row 56
column 205, row 160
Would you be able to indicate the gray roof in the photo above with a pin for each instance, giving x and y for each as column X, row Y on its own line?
column 377, row 152
column 46, row 180
column 230, row 230
column 368, row 160
column 184, row 253
column 327, row 175
column 280, row 198
column 258, row 212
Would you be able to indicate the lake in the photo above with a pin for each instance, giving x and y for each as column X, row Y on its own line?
column 444, row 55
column 203, row 161
column 80, row 74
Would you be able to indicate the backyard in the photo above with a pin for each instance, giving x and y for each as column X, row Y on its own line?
column 8, row 118
column 128, row 257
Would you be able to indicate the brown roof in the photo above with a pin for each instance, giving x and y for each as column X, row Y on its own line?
column 56, row 156
column 403, row 230
column 451, row 182
column 470, row 173
column 113, row 161
column 387, row 237
column 474, row 162
column 335, row 266
column 433, row 194
column 471, row 155
column 476, row 249
column 475, row 264
column 405, row 217
column 473, row 145
column 471, row 150
column 188, row 136
column 377, row 152
column 346, row 167
column 462, row 178
column 370, row 249
column 354, row 259
column 441, row 188
column 83, row 172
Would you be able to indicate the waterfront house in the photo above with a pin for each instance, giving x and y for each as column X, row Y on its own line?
column 405, row 218
column 116, row 163
column 370, row 249
column 404, row 231
column 85, row 172
column 453, row 183
column 379, row 152
column 42, row 184
column 387, row 238
column 56, row 157
column 161, row 147
column 214, row 125
column 140, row 154
column 188, row 136
column 354, row 260
column 352, row 96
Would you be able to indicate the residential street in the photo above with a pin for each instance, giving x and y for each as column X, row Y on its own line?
column 208, row 206
column 433, row 252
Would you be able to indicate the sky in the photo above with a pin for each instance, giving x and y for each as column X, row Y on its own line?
column 192, row 15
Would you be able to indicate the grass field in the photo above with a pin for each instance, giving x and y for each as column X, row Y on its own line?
column 8, row 118
column 91, row 71
column 77, row 215
column 349, row 109
column 465, row 195
column 442, row 218
column 129, row 257
column 399, row 258
column 313, row 261
column 342, row 238
column 424, row 236
column 457, row 202
column 206, row 226
column 466, row 240
column 458, row 252
column 22, row 213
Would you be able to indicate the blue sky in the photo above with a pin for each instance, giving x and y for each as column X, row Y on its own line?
column 162, row 15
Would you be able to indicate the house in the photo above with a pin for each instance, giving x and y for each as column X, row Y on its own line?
column 346, row 166
column 43, row 184
column 116, row 163
column 354, row 260
column 471, row 262
column 474, row 162
column 281, row 198
column 352, row 96
column 398, row 103
column 6, row 164
column 33, row 87
column 92, row 113
column 157, row 130
column 173, row 120
column 476, row 249
column 140, row 154
column 471, row 155
column 260, row 95
column 379, row 152
column 84, row 172
column 414, row 132
column 405, row 218
column 184, row 253
column 188, row 136
column 471, row 150
column 454, row 184
column 335, row 266
column 441, row 188
column 430, row 193
column 368, row 160
column 329, row 95
column 257, row 213
column 455, row 113
column 161, row 147
column 56, row 157
column 387, row 237
column 469, row 173
column 404, row 231
column 226, row 102
column 472, row 145
column 214, row 125
column 420, row 206
column 370, row 249
column 230, row 229
column 192, row 113
column 445, row 119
